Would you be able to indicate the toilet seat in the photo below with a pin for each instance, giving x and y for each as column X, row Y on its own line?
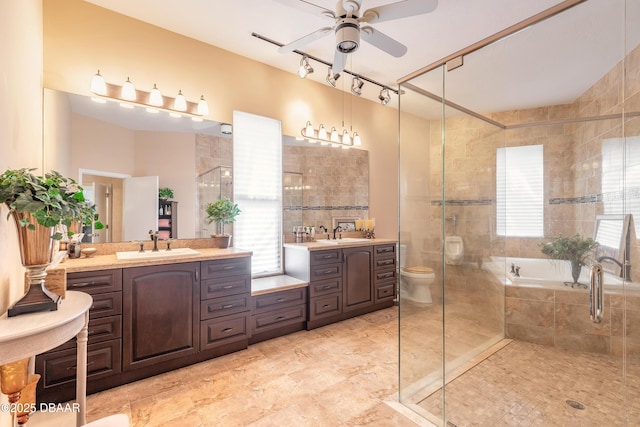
column 418, row 272
column 418, row 269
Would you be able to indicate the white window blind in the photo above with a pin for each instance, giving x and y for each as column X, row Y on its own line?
column 621, row 171
column 257, row 189
column 520, row 191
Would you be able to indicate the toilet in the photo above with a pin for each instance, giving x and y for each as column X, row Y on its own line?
column 415, row 282
column 453, row 250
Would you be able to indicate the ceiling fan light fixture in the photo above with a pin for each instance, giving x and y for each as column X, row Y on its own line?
column 356, row 86
column 384, row 96
column 347, row 35
column 305, row 68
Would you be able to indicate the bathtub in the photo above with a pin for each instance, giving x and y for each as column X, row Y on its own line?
column 547, row 273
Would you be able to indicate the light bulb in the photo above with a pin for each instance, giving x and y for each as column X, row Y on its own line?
column 356, row 139
column 322, row 132
column 98, row 85
column 203, row 107
column 155, row 97
column 334, row 135
column 128, row 91
column 180, row 102
column 346, row 138
column 309, row 132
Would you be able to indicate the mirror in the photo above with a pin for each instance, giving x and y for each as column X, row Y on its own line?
column 105, row 143
column 612, row 234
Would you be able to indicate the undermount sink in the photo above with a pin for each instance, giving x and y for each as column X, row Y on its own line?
column 173, row 253
column 344, row 241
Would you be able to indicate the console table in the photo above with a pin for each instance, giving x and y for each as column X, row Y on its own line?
column 30, row 334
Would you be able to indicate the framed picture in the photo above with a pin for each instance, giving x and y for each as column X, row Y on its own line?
column 346, row 223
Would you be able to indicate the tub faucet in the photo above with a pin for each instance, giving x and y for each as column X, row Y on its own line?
column 154, row 238
column 625, row 269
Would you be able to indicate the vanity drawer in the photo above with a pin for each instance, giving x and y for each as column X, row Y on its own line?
column 220, row 306
column 325, row 257
column 214, row 288
column 385, row 275
column 325, row 306
column 383, row 263
column 327, row 271
column 59, row 367
column 102, row 329
column 380, row 251
column 274, row 300
column 327, row 286
column 385, row 291
column 278, row 318
column 218, row 332
column 106, row 305
column 95, row 282
column 226, row 267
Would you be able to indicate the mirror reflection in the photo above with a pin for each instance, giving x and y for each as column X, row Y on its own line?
column 114, row 151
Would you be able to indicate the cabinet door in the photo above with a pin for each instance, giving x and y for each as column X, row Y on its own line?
column 160, row 313
column 357, row 278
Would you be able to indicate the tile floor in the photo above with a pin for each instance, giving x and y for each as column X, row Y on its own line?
column 338, row 375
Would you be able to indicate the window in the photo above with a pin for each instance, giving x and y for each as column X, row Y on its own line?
column 621, row 171
column 257, row 189
column 520, row 191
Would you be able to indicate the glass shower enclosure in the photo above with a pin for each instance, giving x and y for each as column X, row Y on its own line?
column 535, row 136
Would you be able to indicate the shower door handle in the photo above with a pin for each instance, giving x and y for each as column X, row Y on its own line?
column 595, row 293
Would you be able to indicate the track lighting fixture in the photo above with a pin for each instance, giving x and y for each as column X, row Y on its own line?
column 356, row 86
column 153, row 101
column 384, row 96
column 305, row 68
column 332, row 78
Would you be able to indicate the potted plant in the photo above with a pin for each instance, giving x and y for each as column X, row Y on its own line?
column 165, row 193
column 222, row 211
column 574, row 249
column 38, row 204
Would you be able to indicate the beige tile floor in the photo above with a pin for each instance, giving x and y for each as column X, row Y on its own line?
column 338, row 375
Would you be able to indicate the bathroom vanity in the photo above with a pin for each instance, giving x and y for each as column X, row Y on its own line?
column 346, row 279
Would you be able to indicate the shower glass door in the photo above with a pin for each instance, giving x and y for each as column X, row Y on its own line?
column 534, row 137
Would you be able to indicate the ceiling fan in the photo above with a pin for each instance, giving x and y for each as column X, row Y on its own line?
column 347, row 21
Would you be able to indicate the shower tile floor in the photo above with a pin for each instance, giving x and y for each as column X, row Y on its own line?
column 525, row 384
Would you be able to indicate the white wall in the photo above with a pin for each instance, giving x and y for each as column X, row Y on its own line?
column 20, row 126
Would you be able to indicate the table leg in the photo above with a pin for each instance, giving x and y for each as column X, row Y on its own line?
column 81, row 372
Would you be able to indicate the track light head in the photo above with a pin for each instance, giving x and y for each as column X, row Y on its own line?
column 384, row 96
column 356, row 86
column 305, row 68
column 332, row 78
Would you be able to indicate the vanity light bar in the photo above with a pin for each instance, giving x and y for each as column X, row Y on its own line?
column 334, row 138
column 152, row 101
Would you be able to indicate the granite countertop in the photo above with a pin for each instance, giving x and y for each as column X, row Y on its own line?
column 316, row 246
column 110, row 261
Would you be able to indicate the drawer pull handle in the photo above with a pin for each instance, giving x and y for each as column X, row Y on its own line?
column 327, row 257
column 74, row 367
column 227, row 306
column 82, row 284
column 229, row 267
column 281, row 317
column 227, row 330
column 385, row 275
column 227, row 287
column 327, row 287
column 327, row 272
column 386, row 262
column 280, row 300
column 325, row 306
column 385, row 250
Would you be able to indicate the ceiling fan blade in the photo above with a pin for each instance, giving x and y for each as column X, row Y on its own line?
column 339, row 61
column 382, row 41
column 290, row 47
column 401, row 9
column 309, row 8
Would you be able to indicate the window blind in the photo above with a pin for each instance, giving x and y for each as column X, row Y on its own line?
column 520, row 191
column 257, row 189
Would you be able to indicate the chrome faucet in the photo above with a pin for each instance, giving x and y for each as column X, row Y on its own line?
column 154, row 238
column 338, row 228
column 625, row 269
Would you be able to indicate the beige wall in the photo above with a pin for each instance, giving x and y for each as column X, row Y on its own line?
column 20, row 126
column 80, row 38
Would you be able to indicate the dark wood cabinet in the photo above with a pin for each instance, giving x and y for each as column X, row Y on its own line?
column 160, row 313
column 57, row 367
column 357, row 278
column 225, row 304
column 278, row 313
column 167, row 219
column 344, row 282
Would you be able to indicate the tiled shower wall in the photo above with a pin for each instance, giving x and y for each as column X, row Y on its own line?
column 573, row 196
